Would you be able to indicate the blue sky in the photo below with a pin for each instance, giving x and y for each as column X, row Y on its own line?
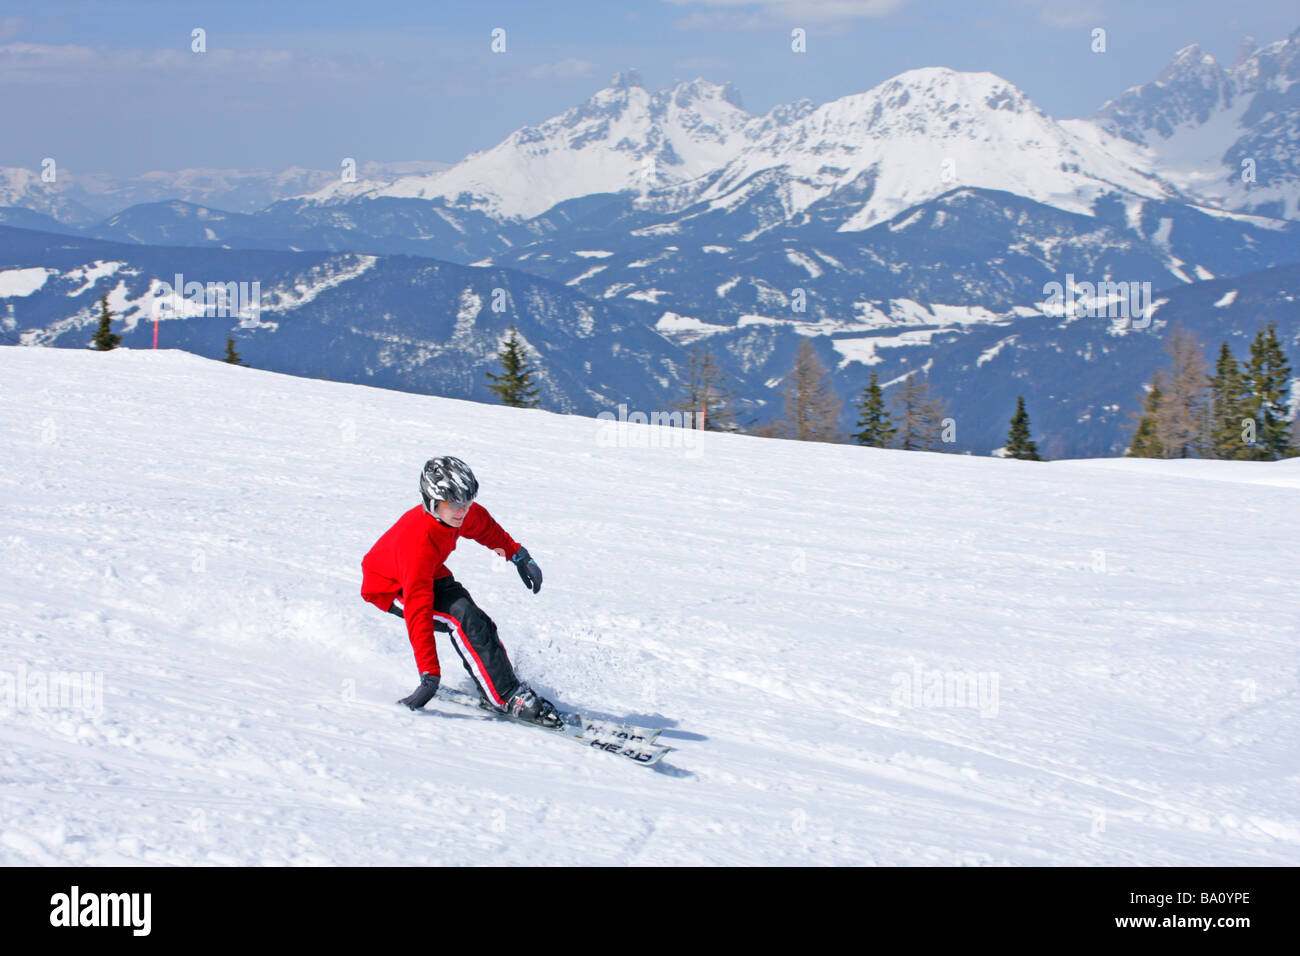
column 112, row 85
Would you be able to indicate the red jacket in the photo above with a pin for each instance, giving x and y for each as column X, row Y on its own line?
column 408, row 557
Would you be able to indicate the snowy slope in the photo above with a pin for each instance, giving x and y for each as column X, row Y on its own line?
column 191, row 533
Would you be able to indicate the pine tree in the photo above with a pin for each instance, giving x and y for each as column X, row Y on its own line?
column 104, row 339
column 919, row 416
column 875, row 427
column 1268, row 377
column 1182, row 419
column 514, row 386
column 1229, row 404
column 1019, row 444
column 231, row 355
column 1146, row 439
column 812, row 409
column 706, row 392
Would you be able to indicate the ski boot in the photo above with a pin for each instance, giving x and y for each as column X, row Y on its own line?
column 526, row 705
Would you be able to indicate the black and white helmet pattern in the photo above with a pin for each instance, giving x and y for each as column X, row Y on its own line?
column 447, row 479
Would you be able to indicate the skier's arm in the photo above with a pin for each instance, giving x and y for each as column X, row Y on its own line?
column 416, row 566
column 481, row 527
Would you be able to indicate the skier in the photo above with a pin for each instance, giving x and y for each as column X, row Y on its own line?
column 407, row 563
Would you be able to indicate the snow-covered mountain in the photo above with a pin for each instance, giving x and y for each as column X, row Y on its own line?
column 245, row 190
column 917, row 136
column 624, row 138
column 1231, row 135
column 61, row 199
column 83, row 197
column 907, row 140
column 1009, row 663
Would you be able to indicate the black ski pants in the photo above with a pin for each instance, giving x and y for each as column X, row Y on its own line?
column 474, row 635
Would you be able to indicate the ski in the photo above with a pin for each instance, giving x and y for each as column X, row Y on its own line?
column 594, row 727
column 591, row 726
column 623, row 741
column 648, row 754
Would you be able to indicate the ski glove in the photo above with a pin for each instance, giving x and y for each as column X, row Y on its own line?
column 424, row 693
column 528, row 569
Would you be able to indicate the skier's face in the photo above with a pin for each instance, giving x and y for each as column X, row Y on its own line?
column 452, row 513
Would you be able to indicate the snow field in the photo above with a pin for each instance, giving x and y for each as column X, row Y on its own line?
column 862, row 656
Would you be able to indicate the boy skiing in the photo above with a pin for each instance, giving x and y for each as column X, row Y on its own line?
column 407, row 562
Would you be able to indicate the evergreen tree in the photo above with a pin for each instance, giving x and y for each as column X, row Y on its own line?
column 514, row 386
column 1229, row 407
column 231, row 355
column 706, row 393
column 1146, row 439
column 1019, row 444
column 875, row 427
column 919, row 417
column 1268, row 377
column 104, row 338
column 812, row 409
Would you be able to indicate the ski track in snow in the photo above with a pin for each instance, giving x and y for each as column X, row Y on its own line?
column 192, row 534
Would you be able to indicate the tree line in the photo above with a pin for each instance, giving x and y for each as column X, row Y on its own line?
column 913, row 419
column 1240, row 412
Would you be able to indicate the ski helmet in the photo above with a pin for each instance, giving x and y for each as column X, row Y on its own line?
column 447, row 479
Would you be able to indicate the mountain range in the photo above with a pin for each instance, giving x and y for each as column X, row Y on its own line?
column 910, row 228
column 84, row 198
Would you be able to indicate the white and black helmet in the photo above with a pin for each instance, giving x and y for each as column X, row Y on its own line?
column 447, row 479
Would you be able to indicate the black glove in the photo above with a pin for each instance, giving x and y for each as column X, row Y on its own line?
column 424, row 693
column 528, row 569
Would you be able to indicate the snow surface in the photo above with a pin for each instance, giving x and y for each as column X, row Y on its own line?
column 671, row 323
column 317, row 280
column 579, row 279
column 867, row 349
column 1130, row 630
column 91, row 275
column 17, row 283
column 989, row 354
